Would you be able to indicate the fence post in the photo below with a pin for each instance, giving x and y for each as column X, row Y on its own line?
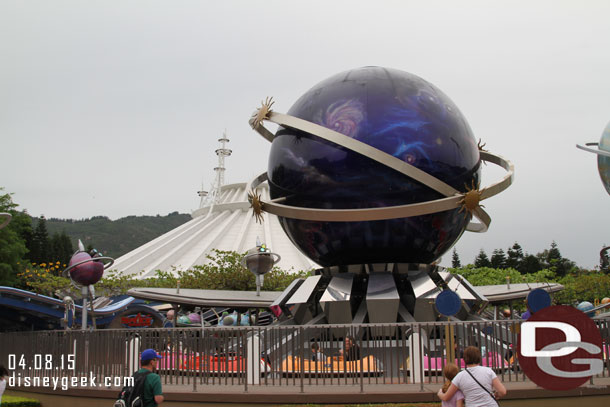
column 302, row 355
column 254, row 367
column 133, row 352
column 416, row 357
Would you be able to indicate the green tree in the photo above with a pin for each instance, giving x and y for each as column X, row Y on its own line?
column 491, row 276
column 604, row 259
column 584, row 286
column 482, row 260
column 61, row 247
column 530, row 264
column 514, row 256
column 498, row 259
column 455, row 259
column 12, row 244
column 41, row 251
column 553, row 253
column 555, row 260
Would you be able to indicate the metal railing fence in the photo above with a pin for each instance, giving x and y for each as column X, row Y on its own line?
column 271, row 355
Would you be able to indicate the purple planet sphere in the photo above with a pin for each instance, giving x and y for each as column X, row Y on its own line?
column 87, row 273
column 395, row 112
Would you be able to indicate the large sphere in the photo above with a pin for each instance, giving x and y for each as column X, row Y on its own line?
column 88, row 273
column 400, row 114
column 603, row 163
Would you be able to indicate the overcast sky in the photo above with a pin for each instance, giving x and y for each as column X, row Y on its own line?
column 115, row 107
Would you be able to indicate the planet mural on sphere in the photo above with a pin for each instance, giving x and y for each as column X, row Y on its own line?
column 603, row 162
column 399, row 114
column 87, row 273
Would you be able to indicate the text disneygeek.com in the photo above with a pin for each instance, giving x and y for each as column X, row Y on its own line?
column 64, row 383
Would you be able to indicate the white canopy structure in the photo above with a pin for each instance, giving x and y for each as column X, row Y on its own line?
column 224, row 222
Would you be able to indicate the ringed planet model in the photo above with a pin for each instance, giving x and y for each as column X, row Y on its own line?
column 374, row 165
column 603, row 156
column 259, row 260
column 85, row 270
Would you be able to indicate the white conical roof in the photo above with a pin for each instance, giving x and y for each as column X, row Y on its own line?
column 227, row 224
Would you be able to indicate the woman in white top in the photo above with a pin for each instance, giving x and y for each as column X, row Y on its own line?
column 3, row 379
column 476, row 394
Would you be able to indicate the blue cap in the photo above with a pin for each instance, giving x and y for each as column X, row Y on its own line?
column 150, row 354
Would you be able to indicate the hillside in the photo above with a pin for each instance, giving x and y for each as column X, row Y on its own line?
column 115, row 238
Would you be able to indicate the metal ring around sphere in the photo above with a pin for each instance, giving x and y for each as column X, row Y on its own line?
column 452, row 198
column 599, row 151
column 7, row 219
column 66, row 272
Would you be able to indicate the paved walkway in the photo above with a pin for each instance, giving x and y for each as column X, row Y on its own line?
column 341, row 394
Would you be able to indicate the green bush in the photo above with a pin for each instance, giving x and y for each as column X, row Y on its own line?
column 579, row 285
column 12, row 401
column 584, row 286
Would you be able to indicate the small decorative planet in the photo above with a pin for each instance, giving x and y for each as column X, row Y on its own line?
column 605, row 300
column 88, row 272
column 400, row 114
column 585, row 307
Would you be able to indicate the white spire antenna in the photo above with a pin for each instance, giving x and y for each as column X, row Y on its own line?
column 221, row 153
column 202, row 194
column 212, row 197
